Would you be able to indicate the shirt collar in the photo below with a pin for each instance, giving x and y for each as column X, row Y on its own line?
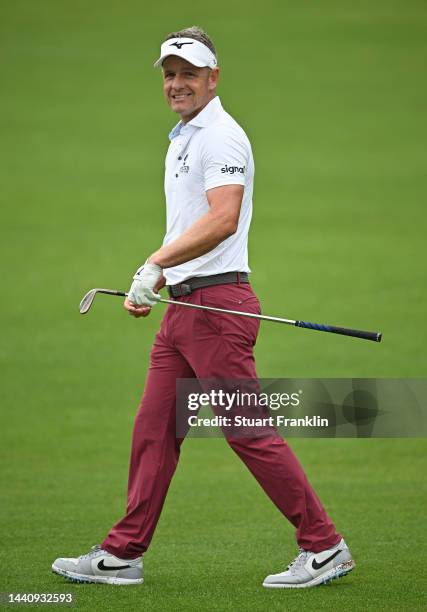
column 203, row 119
column 175, row 131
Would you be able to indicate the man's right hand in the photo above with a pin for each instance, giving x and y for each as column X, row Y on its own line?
column 135, row 310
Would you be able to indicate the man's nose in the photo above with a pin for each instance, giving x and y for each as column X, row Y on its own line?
column 177, row 82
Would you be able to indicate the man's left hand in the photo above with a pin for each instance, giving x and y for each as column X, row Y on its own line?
column 145, row 281
column 143, row 311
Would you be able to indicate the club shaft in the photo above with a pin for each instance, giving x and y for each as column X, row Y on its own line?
column 241, row 313
column 355, row 333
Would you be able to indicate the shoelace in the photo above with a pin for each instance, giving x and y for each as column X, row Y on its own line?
column 93, row 551
column 298, row 562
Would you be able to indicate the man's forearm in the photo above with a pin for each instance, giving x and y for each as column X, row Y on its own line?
column 203, row 236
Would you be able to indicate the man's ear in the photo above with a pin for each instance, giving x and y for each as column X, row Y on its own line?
column 213, row 78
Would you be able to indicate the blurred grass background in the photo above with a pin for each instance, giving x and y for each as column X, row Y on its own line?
column 333, row 98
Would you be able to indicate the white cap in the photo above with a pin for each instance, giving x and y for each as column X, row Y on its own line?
column 189, row 49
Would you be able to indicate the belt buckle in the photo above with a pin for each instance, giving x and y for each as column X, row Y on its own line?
column 184, row 289
column 179, row 290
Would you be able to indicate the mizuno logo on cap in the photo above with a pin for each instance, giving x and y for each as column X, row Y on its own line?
column 179, row 45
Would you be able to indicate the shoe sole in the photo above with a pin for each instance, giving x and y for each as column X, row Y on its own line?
column 85, row 578
column 337, row 572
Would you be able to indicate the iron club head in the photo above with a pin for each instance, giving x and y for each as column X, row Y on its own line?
column 87, row 300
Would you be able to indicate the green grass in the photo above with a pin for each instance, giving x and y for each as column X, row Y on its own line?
column 332, row 96
column 219, row 536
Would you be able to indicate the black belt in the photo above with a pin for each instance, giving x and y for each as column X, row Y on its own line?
column 197, row 282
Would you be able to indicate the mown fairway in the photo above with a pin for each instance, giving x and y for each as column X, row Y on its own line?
column 332, row 96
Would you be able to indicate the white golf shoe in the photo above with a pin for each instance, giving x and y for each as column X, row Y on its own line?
column 310, row 569
column 100, row 566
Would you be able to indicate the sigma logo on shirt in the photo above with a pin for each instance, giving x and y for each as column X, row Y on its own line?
column 233, row 169
column 185, row 168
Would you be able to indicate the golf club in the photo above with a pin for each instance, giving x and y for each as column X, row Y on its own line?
column 87, row 302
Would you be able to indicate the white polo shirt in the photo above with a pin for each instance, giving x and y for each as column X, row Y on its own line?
column 209, row 151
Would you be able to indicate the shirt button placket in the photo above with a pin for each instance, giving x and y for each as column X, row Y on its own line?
column 179, row 159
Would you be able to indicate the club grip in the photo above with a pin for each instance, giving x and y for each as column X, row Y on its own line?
column 344, row 331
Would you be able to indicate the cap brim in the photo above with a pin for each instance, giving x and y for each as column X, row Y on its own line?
column 187, row 57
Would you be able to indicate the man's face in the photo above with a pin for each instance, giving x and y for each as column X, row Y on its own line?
column 187, row 89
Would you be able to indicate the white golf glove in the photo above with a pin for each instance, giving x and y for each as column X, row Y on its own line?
column 144, row 281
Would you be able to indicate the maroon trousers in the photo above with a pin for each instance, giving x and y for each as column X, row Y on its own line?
column 194, row 343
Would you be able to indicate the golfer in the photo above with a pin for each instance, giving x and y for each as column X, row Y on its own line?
column 209, row 175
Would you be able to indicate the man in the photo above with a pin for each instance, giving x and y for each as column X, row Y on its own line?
column 203, row 260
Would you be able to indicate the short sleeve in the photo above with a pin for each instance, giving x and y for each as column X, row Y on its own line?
column 224, row 157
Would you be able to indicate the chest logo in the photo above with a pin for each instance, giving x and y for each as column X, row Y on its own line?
column 185, row 167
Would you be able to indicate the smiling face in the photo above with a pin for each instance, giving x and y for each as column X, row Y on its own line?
column 187, row 88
